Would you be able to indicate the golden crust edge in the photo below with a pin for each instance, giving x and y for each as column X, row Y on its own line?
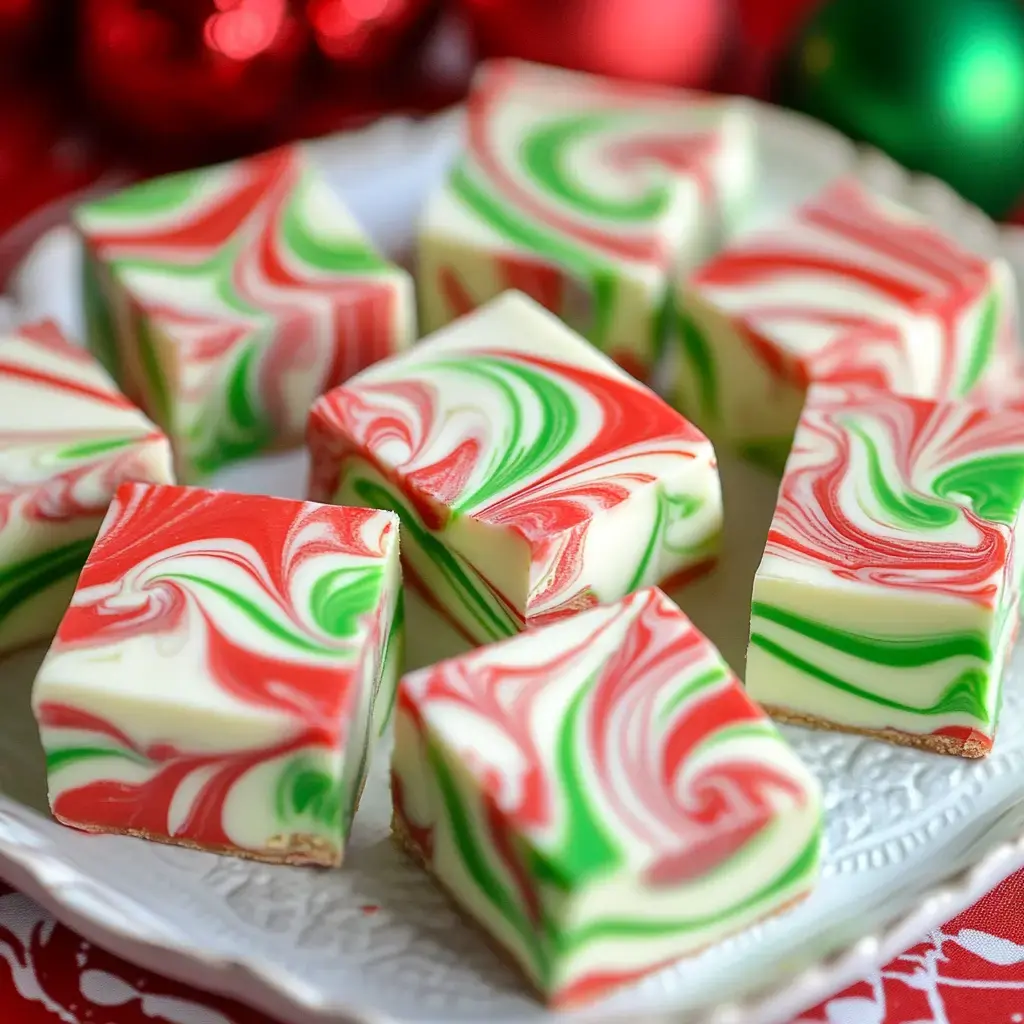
column 948, row 745
column 298, row 849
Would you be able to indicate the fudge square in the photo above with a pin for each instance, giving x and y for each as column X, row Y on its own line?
column 224, row 300
column 532, row 476
column 886, row 602
column 215, row 679
column 601, row 796
column 68, row 438
column 848, row 288
column 583, row 192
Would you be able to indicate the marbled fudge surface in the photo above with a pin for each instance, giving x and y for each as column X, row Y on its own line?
column 583, row 192
column 68, row 438
column 887, row 596
column 532, row 475
column 848, row 288
column 226, row 299
column 222, row 670
column 601, row 795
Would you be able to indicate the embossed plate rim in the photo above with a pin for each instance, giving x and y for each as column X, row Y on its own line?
column 34, row 863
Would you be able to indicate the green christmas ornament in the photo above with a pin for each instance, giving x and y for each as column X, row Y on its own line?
column 936, row 84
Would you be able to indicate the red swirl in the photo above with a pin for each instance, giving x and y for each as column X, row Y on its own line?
column 687, row 820
column 811, row 525
column 687, row 151
column 146, row 522
column 146, row 806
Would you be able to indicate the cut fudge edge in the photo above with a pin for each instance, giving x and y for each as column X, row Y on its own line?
column 299, row 849
column 292, row 848
column 436, row 240
column 976, row 744
column 403, row 839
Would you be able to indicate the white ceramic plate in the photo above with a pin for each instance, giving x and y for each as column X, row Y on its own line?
column 911, row 837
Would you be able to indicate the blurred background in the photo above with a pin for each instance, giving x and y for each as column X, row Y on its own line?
column 94, row 93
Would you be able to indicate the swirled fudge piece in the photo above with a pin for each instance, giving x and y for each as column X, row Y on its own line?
column 601, row 796
column 886, row 602
column 226, row 663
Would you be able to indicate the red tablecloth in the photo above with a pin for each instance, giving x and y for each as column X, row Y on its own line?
column 969, row 972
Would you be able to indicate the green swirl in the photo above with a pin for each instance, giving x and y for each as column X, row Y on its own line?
column 342, row 598
column 993, row 484
column 100, row 333
column 61, row 757
column 333, row 255
column 697, row 354
column 305, row 790
column 281, row 631
column 485, row 621
column 671, row 509
column 520, row 462
column 591, row 851
column 983, row 346
column 391, row 665
column 600, row 276
column 22, row 581
column 237, row 429
column 911, row 510
column 148, row 198
column 689, row 689
column 546, row 155
column 965, row 694
column 795, row 874
column 90, row 449
column 218, row 269
column 156, row 383
column 896, row 652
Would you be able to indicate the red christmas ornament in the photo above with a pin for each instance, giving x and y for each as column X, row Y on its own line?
column 25, row 28
column 192, row 78
column 367, row 35
column 677, row 42
column 45, row 169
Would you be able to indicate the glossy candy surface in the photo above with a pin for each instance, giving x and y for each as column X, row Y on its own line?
column 848, row 288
